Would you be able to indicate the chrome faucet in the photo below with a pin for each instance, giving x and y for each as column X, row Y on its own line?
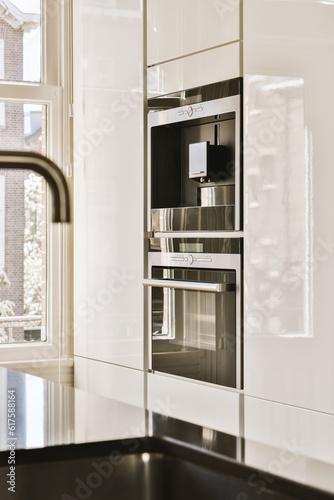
column 52, row 174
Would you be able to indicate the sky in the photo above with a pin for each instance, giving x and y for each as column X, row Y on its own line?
column 32, row 6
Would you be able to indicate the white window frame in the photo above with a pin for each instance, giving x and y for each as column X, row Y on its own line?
column 54, row 91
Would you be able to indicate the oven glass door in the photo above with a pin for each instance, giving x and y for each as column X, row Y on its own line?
column 193, row 324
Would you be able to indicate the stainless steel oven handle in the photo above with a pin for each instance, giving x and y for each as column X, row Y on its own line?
column 191, row 285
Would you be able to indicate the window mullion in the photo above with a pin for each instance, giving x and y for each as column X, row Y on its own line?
column 27, row 93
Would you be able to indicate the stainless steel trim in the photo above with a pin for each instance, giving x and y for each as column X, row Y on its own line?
column 238, row 326
column 198, row 382
column 237, row 166
column 196, row 234
column 218, row 261
column 209, row 108
column 193, row 218
column 149, row 330
column 191, row 285
column 213, row 196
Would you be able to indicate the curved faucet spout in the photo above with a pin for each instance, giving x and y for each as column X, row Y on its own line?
column 17, row 160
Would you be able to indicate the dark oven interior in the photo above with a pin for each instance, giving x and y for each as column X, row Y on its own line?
column 171, row 185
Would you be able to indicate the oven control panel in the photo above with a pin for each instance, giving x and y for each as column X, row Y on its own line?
column 191, row 259
column 225, row 253
column 198, row 260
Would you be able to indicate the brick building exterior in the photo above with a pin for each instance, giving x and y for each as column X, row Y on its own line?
column 13, row 51
column 12, row 137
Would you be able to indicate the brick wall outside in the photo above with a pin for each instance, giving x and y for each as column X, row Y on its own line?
column 12, row 138
column 13, row 51
column 14, row 238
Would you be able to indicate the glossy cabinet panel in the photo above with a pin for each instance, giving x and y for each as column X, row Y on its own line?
column 199, row 404
column 108, row 176
column 101, row 419
column 300, row 432
column 215, row 65
column 176, row 28
column 110, row 381
column 288, row 462
column 289, row 203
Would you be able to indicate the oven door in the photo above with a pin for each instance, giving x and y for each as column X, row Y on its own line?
column 193, row 323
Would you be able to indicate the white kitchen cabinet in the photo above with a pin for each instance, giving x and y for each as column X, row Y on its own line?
column 111, row 381
column 289, row 202
column 202, row 404
column 108, row 181
column 222, row 63
column 176, row 28
column 298, row 431
column 98, row 419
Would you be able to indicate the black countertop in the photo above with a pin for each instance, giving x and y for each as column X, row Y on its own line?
column 50, row 417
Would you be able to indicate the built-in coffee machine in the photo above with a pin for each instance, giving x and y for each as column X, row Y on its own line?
column 195, row 162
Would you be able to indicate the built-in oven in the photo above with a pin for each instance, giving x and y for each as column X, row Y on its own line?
column 195, row 308
column 195, row 159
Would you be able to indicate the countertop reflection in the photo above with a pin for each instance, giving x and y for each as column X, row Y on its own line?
column 48, row 414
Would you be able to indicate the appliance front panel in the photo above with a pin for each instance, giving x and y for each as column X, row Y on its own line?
column 194, row 331
column 194, row 157
column 195, row 308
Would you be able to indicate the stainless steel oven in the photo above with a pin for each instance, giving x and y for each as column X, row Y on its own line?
column 195, row 159
column 195, row 308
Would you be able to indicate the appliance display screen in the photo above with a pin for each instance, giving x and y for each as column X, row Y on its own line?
column 191, row 247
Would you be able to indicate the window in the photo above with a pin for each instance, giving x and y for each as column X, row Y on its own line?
column 34, row 99
column 20, row 40
column 23, row 296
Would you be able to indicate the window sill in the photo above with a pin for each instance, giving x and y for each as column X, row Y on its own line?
column 56, row 370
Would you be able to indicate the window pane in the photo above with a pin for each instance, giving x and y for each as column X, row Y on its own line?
column 20, row 40
column 23, row 229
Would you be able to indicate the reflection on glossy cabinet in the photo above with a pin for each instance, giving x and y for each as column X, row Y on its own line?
column 195, row 70
column 110, row 381
column 176, row 28
column 108, row 162
column 289, row 231
column 307, row 433
column 202, row 404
